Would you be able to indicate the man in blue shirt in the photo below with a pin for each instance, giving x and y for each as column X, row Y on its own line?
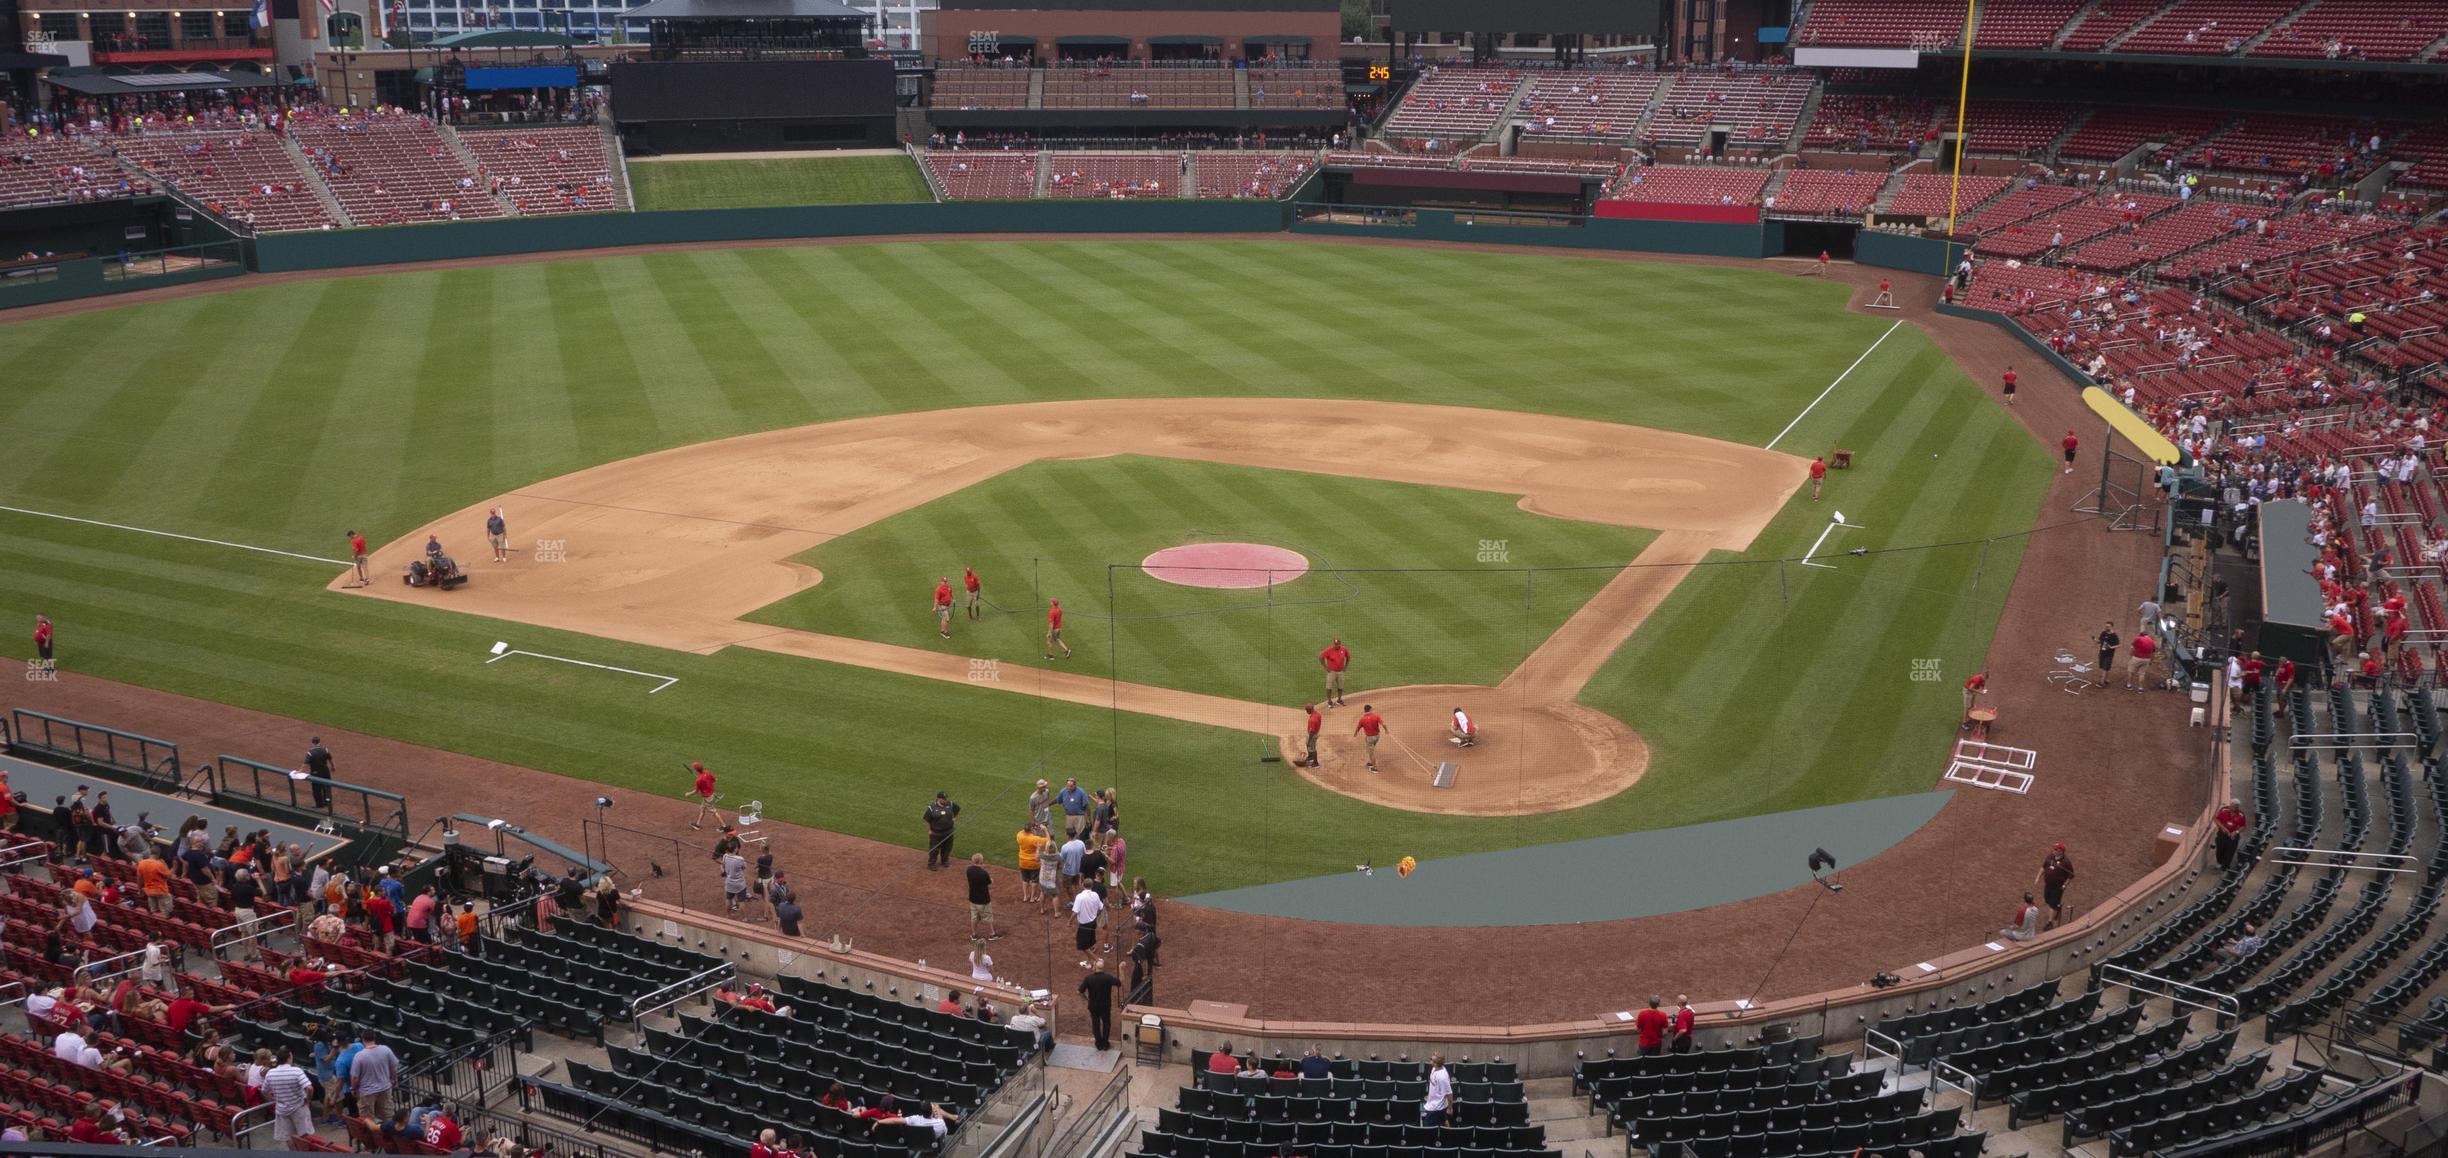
column 393, row 890
column 1074, row 802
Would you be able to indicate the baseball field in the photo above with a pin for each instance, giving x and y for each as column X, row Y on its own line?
column 822, row 431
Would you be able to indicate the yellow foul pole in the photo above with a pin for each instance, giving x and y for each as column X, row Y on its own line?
column 1963, row 100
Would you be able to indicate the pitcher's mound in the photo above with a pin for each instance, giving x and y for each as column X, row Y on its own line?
column 1225, row 565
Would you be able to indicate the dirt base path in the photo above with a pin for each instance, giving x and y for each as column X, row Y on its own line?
column 674, row 549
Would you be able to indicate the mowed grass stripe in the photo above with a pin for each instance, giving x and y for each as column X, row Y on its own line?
column 587, row 362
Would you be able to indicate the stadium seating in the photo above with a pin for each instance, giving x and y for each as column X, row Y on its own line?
column 979, row 175
column 1606, row 104
column 2427, row 147
column 50, row 169
column 2360, row 30
column 1453, row 104
column 1113, row 175
column 1228, row 174
column 2012, row 128
column 2206, row 27
column 962, row 87
column 2165, row 236
column 2008, row 212
column 241, row 172
column 547, row 169
column 1690, row 185
column 1825, row 191
column 1143, row 88
column 2024, row 26
column 390, row 168
column 2113, row 18
column 2287, row 145
column 1927, row 194
column 2115, row 130
column 1869, row 122
column 1757, row 109
column 1928, row 24
column 1296, row 87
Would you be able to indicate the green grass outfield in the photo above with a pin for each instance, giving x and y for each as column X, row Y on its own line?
column 678, row 183
column 1407, row 593
column 283, row 415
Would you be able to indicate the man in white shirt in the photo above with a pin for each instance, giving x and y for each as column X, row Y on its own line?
column 1029, row 1019
column 38, row 1006
column 71, row 1047
column 291, row 1093
column 1440, row 1093
column 1086, row 908
column 935, row 1120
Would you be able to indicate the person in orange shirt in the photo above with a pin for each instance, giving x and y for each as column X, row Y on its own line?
column 943, row 606
column 1054, row 629
column 1818, row 471
column 1369, row 726
column 467, row 927
column 154, row 876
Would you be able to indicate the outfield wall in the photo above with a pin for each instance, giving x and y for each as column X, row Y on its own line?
column 1911, row 253
column 1486, row 228
column 509, row 236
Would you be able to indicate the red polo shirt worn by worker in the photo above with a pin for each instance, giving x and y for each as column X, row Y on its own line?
column 1336, row 657
column 969, row 580
column 2230, row 820
column 1317, row 719
column 943, row 594
column 2071, row 442
column 1054, row 617
column 1818, row 469
column 705, row 782
column 356, row 543
column 1652, row 1025
column 2010, row 378
column 1370, row 723
column 2144, row 646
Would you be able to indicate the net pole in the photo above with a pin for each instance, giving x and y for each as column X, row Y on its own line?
column 1963, row 102
column 1521, row 755
column 1113, row 671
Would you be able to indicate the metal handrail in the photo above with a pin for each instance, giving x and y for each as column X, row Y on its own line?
column 43, row 855
column 2336, row 855
column 2225, row 1003
column 246, row 931
column 690, row 987
column 239, row 1134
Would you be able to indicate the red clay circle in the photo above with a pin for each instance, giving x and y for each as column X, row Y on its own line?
column 1225, row 565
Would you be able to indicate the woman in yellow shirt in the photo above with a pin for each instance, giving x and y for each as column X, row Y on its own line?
column 1032, row 840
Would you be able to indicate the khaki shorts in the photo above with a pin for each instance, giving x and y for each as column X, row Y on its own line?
column 976, row 597
column 984, row 912
column 501, row 542
column 1334, row 681
column 1372, row 744
column 1054, row 635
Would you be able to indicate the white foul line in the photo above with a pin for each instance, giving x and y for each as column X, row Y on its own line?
column 1831, row 388
column 175, row 535
column 667, row 680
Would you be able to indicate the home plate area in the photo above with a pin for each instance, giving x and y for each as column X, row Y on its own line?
column 1993, row 766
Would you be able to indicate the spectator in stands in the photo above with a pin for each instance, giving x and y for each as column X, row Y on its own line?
column 371, row 1076
column 291, row 1093
column 2026, row 923
column 1222, row 1060
column 1029, row 1019
column 153, row 876
column 2231, row 823
column 2245, row 944
column 381, row 917
column 105, row 826
column 96, row 1127
column 70, row 1046
column 547, row 907
column 421, row 914
column 1650, row 1024
column 441, row 1132
column 607, row 902
column 935, row 1120
column 470, row 930
column 1679, row 1035
column 243, row 895
column 1439, row 1101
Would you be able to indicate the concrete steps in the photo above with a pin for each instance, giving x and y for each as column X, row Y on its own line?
column 314, row 180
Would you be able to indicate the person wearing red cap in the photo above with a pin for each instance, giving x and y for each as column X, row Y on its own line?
column 977, row 598
column 2070, row 443
column 1818, row 473
column 2055, row 871
column 943, row 606
column 2008, row 381
column 1334, row 659
column 705, row 793
column 1316, row 720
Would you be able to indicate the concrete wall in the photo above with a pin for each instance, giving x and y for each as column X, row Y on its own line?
column 1588, row 233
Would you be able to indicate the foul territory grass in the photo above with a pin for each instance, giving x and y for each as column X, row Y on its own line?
column 752, row 184
column 1398, row 574
column 284, row 415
